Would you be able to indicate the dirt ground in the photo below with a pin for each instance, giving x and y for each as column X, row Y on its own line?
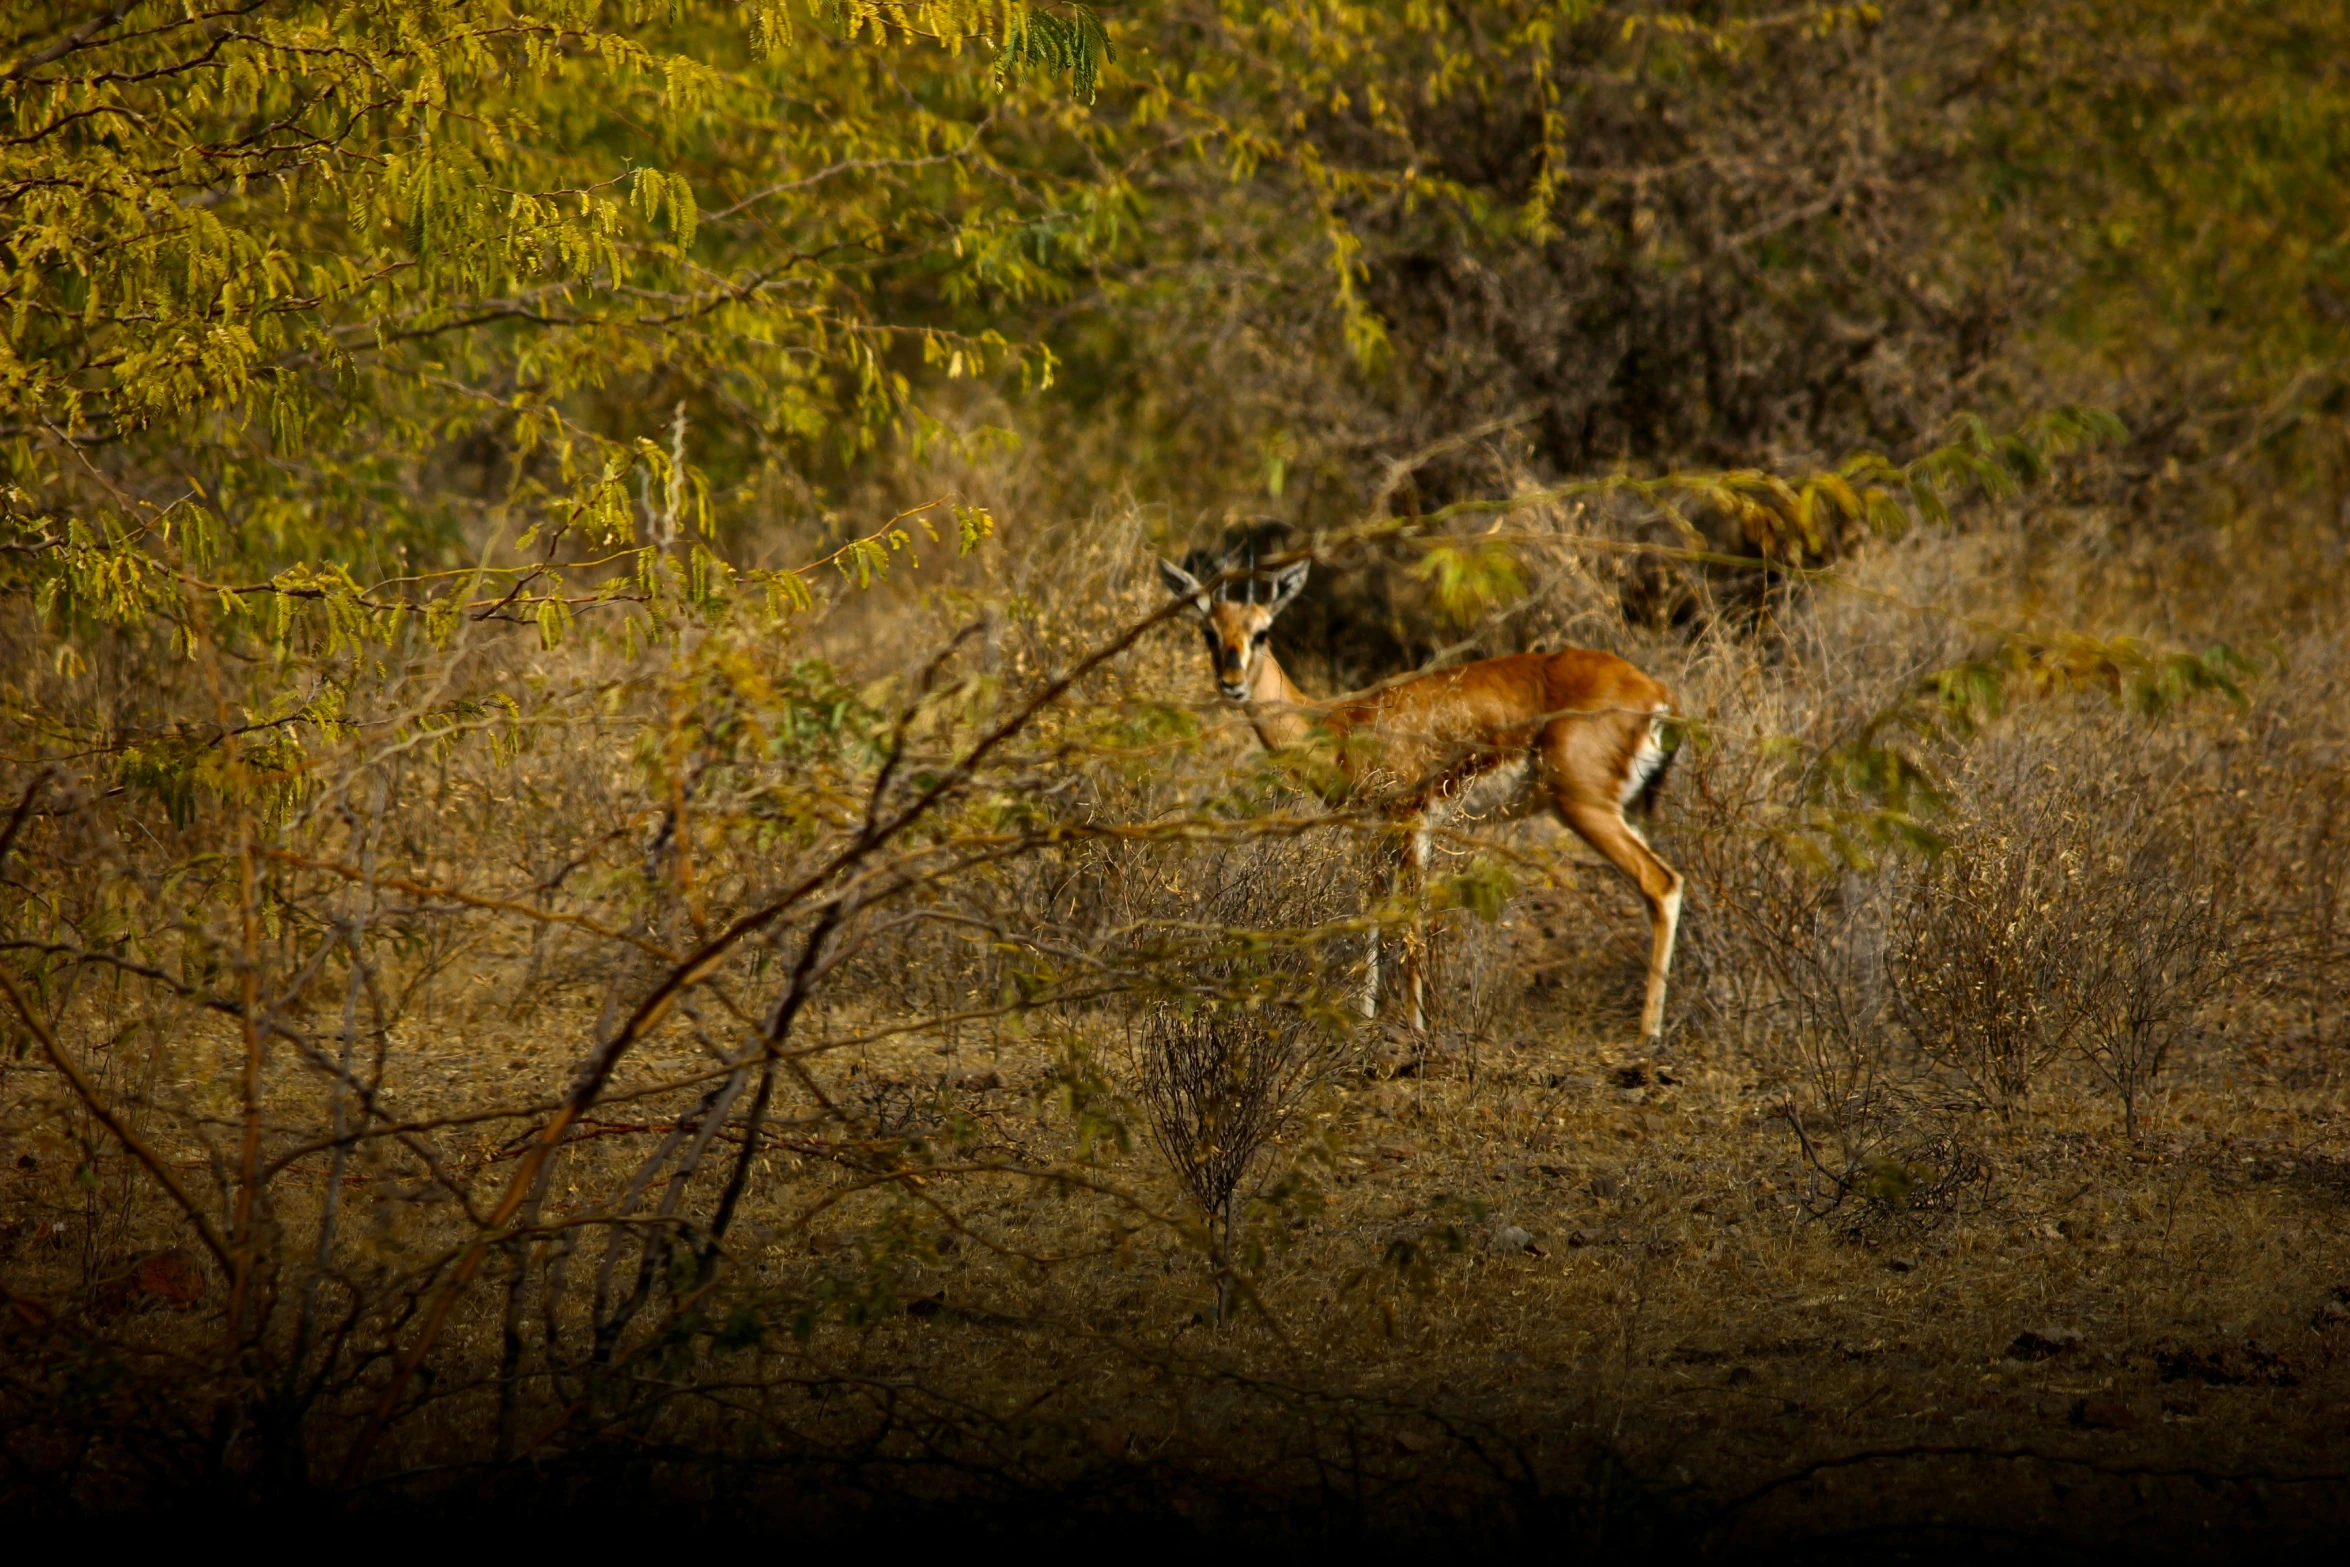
column 1542, row 1285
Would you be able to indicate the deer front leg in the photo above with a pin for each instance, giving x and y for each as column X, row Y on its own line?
column 1412, row 886
column 1415, row 971
column 1402, row 855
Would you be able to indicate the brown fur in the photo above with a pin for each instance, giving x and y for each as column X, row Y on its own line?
column 1575, row 723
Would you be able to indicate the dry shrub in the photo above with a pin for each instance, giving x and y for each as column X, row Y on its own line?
column 2084, row 914
column 2291, row 761
column 2164, row 893
column 2314, row 954
column 1880, row 1142
column 1218, row 1085
column 1782, row 957
column 1979, row 972
column 1254, row 949
column 2087, row 909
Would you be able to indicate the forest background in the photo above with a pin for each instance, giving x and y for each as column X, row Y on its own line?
column 619, row 883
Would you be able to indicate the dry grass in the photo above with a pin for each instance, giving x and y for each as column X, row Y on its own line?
column 1510, row 1280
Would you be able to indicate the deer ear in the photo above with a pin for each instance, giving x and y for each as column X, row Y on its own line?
column 1184, row 585
column 1288, row 584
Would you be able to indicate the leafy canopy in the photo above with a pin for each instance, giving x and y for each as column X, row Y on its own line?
column 342, row 292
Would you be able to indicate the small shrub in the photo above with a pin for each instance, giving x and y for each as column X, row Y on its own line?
column 1981, row 965
column 1898, row 1160
column 1218, row 1084
column 2086, row 909
column 1257, row 932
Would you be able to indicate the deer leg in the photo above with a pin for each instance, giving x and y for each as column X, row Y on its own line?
column 1387, row 867
column 1604, row 828
column 1403, row 855
column 1413, row 881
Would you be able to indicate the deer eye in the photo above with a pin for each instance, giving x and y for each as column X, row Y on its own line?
column 1263, row 637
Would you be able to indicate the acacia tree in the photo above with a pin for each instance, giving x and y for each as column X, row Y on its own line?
column 341, row 339
column 345, row 295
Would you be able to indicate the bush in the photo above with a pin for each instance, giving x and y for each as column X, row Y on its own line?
column 1219, row 1085
column 1262, row 940
column 2087, row 907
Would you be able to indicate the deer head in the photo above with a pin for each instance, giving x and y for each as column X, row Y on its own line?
column 1237, row 618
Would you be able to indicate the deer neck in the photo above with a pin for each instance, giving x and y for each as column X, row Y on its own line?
column 1281, row 714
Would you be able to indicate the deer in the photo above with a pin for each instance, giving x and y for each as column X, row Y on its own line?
column 1578, row 732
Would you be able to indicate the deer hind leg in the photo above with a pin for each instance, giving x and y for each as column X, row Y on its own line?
column 1604, row 828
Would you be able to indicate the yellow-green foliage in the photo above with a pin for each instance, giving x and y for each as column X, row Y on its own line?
column 271, row 271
